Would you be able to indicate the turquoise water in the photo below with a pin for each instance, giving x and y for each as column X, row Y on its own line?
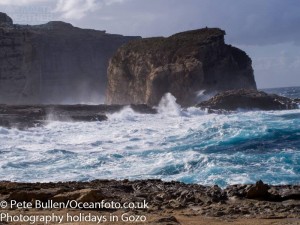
column 185, row 145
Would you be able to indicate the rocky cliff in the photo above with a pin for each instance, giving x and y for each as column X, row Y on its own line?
column 142, row 71
column 54, row 62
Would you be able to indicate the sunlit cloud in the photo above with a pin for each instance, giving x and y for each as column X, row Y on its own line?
column 110, row 2
column 20, row 2
column 77, row 9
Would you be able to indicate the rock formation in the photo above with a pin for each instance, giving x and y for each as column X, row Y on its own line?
column 26, row 116
column 142, row 71
column 193, row 199
column 5, row 20
column 258, row 191
column 248, row 99
column 54, row 62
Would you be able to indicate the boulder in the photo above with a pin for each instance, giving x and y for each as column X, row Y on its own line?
column 258, row 191
column 248, row 99
column 143, row 70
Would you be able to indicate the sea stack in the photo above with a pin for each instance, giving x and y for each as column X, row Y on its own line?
column 143, row 70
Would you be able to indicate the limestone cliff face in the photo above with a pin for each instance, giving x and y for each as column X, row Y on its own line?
column 142, row 71
column 54, row 62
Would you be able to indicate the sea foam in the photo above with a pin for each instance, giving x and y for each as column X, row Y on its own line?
column 187, row 145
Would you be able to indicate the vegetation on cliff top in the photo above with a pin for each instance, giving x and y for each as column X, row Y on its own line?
column 180, row 40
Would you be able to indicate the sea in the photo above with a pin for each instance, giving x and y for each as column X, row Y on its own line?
column 187, row 145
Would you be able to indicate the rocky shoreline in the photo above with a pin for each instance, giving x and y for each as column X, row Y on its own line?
column 25, row 116
column 248, row 99
column 175, row 199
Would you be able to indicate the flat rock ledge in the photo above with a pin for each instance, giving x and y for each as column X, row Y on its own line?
column 248, row 99
column 26, row 116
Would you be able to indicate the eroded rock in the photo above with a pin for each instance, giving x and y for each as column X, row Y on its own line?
column 142, row 71
column 54, row 63
column 248, row 99
column 31, row 195
column 196, row 199
column 5, row 20
column 84, row 195
column 26, row 116
column 258, row 191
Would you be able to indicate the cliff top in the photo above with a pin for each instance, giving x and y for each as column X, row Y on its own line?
column 179, row 40
column 56, row 25
column 5, row 20
column 55, row 28
column 200, row 34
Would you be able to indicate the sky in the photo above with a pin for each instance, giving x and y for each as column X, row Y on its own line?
column 268, row 30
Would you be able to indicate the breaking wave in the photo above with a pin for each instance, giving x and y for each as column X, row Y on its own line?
column 187, row 145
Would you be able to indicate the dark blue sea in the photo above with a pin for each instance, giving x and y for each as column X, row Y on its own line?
column 176, row 144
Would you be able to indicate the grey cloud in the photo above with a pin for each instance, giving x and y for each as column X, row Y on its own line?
column 254, row 22
column 257, row 26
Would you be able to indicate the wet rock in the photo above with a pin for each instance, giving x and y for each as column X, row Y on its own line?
column 143, row 108
column 26, row 116
column 89, row 118
column 297, row 100
column 248, row 99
